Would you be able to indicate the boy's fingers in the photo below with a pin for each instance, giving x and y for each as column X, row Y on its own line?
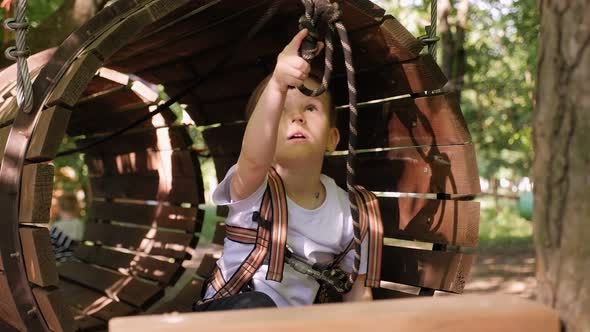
column 295, row 43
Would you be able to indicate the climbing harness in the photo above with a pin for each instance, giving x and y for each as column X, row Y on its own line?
column 20, row 53
column 270, row 239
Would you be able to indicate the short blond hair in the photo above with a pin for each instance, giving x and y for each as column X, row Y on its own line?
column 253, row 100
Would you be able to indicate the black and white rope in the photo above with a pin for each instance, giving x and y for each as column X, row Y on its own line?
column 318, row 13
column 20, row 53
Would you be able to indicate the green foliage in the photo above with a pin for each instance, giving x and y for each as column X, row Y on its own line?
column 503, row 226
column 497, row 99
column 37, row 11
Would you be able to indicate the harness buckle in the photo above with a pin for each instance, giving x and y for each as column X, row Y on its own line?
column 266, row 224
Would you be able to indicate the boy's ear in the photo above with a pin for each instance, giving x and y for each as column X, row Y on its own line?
column 333, row 139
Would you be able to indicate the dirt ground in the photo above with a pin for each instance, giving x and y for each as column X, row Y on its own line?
column 503, row 271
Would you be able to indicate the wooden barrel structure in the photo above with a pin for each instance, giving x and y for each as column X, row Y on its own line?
column 146, row 185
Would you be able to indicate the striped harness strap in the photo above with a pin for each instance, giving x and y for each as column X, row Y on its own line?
column 272, row 230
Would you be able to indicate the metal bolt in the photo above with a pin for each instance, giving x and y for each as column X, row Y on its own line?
column 15, row 254
column 32, row 311
column 414, row 124
column 425, row 169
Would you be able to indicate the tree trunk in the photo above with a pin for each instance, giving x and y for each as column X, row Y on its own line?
column 454, row 60
column 561, row 132
column 57, row 27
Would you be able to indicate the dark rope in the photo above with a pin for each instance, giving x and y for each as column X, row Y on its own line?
column 324, row 16
column 268, row 14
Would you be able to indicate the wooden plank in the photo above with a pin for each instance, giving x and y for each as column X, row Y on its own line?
column 9, row 314
column 160, row 139
column 183, row 302
column 175, row 189
column 4, row 132
column 445, row 169
column 108, row 100
column 73, row 83
column 48, row 134
column 177, row 163
column 429, row 220
column 54, row 309
column 467, row 313
column 131, row 290
column 92, row 303
column 147, row 267
column 384, row 293
column 108, row 120
column 5, row 326
column 432, row 120
column 440, row 169
column 425, row 268
column 207, row 265
column 38, row 256
column 8, row 110
column 84, row 323
column 36, row 192
column 166, row 216
column 148, row 241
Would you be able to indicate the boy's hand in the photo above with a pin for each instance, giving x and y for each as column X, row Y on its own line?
column 291, row 69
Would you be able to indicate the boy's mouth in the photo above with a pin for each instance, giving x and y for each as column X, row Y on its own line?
column 297, row 136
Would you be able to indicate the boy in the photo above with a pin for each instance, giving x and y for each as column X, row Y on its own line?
column 290, row 132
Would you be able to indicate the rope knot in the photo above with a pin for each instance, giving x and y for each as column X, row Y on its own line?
column 319, row 16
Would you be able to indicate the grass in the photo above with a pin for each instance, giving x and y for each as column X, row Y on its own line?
column 502, row 226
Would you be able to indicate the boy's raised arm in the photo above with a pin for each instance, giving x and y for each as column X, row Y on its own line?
column 259, row 143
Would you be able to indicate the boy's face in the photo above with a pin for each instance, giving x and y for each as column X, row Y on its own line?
column 304, row 129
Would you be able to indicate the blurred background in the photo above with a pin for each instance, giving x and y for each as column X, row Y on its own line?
column 488, row 51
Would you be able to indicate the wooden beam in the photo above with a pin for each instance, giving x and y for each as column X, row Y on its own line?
column 164, row 272
column 443, row 314
column 438, row 270
column 131, row 290
column 54, row 309
column 149, row 241
column 36, row 192
column 38, row 256
column 48, row 134
column 93, row 303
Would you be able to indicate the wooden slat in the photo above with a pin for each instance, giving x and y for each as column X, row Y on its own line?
column 446, row 314
column 183, row 302
column 71, row 86
column 219, row 234
column 167, row 216
column 38, row 256
column 48, row 133
column 161, row 139
column 446, row 169
column 425, row 268
column 9, row 314
column 131, row 290
column 4, row 132
column 54, row 309
column 84, row 323
column 129, row 264
column 177, row 189
column 178, row 163
column 108, row 120
column 8, row 110
column 384, row 293
column 36, row 192
column 94, row 303
column 452, row 169
column 429, row 220
column 149, row 241
column 207, row 265
column 433, row 120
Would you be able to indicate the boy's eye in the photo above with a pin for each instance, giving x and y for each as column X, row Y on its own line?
column 310, row 108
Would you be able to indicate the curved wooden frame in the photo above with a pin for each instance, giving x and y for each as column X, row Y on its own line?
column 61, row 82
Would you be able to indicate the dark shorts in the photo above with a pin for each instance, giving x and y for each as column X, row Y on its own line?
column 245, row 300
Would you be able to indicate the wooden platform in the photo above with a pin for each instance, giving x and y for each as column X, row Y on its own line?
column 449, row 314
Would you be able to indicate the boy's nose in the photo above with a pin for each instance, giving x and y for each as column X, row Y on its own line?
column 297, row 116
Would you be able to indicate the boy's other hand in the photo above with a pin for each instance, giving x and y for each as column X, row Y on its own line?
column 291, row 69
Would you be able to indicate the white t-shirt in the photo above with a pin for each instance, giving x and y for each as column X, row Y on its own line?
column 318, row 235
